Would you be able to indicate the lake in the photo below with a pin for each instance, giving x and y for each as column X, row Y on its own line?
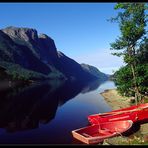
column 47, row 112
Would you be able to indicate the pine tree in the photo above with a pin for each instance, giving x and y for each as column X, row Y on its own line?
column 132, row 22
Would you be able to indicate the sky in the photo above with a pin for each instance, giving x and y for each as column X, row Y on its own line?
column 80, row 30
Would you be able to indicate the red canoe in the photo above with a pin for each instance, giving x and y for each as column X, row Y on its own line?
column 136, row 113
column 97, row 133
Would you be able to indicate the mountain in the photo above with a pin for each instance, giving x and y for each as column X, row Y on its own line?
column 94, row 71
column 72, row 69
column 20, row 54
column 25, row 54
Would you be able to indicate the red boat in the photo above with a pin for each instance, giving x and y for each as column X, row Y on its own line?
column 97, row 133
column 136, row 113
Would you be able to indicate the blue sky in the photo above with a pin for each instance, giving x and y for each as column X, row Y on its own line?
column 80, row 30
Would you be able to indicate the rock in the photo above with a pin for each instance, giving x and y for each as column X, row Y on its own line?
column 19, row 54
column 47, row 48
column 25, row 34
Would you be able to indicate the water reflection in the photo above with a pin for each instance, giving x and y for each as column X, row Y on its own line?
column 25, row 108
column 91, row 86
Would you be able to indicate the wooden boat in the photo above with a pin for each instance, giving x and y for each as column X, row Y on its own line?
column 136, row 113
column 97, row 133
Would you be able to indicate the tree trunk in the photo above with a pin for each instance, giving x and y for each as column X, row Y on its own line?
column 137, row 94
column 133, row 65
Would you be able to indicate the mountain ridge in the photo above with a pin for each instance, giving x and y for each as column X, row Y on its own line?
column 24, row 47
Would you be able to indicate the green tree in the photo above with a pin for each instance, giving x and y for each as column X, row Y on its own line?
column 132, row 23
column 142, row 52
column 123, row 81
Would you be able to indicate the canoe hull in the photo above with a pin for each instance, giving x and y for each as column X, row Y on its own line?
column 96, row 119
column 136, row 113
column 97, row 133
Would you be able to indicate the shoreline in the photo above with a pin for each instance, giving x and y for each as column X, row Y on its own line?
column 116, row 101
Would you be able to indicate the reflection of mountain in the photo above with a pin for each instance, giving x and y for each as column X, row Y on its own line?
column 72, row 89
column 25, row 108
column 93, row 85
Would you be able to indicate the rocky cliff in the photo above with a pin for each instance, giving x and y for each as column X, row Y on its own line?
column 24, row 48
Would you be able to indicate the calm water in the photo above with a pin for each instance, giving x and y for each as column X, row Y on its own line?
column 46, row 113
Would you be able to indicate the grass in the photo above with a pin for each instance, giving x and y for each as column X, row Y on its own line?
column 121, row 140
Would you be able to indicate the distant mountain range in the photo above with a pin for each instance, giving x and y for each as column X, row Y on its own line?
column 26, row 55
column 95, row 72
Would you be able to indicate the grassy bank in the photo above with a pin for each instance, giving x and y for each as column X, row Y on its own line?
column 117, row 101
